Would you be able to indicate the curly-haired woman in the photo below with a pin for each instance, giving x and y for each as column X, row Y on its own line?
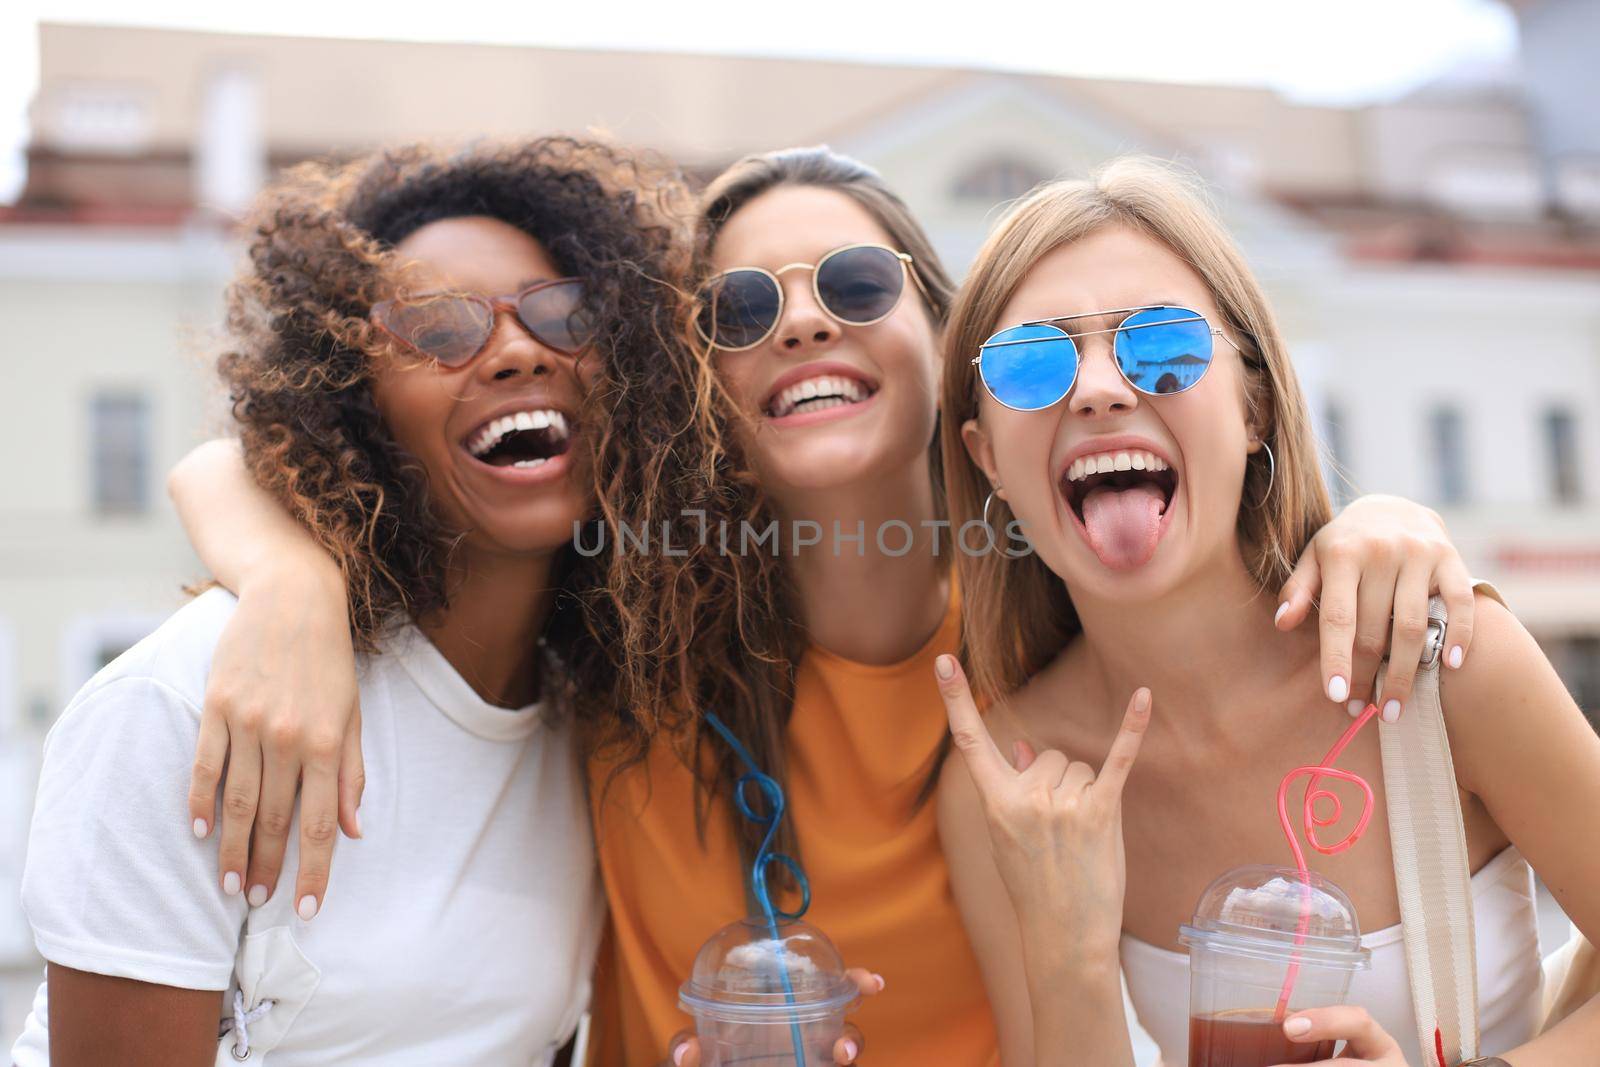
column 429, row 357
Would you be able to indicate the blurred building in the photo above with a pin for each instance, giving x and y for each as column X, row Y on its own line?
column 1435, row 262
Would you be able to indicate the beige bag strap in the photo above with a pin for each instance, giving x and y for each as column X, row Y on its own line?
column 1431, row 869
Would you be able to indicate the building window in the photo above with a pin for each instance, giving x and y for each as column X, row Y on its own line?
column 98, row 117
column 1448, row 450
column 1561, row 444
column 1336, row 453
column 120, row 453
column 999, row 178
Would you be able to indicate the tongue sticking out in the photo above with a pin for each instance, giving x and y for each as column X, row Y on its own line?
column 1124, row 524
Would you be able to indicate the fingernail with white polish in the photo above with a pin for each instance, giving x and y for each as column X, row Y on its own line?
column 358, row 824
column 1297, row 1026
column 1278, row 616
column 201, row 829
column 1338, row 689
column 679, row 1053
column 1455, row 657
column 231, row 883
column 257, row 896
column 1355, row 708
column 850, row 1051
column 307, row 908
column 1391, row 711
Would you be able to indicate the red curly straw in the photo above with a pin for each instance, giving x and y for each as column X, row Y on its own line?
column 1325, row 769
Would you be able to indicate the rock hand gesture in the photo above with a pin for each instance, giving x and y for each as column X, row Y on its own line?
column 1055, row 832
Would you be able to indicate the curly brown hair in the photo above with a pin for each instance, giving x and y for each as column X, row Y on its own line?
column 302, row 352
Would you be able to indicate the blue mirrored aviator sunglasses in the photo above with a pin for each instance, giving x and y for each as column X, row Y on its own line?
column 1159, row 349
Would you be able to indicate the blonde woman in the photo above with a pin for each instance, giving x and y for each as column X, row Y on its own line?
column 1155, row 579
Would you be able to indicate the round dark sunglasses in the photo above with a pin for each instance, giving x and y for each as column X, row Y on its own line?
column 453, row 328
column 1159, row 349
column 857, row 285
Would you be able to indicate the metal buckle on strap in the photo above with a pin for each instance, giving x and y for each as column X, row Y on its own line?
column 1433, row 645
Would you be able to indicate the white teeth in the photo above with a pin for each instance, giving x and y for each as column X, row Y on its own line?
column 526, row 463
column 1106, row 462
column 834, row 391
column 496, row 430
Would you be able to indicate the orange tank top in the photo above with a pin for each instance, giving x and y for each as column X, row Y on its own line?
column 860, row 744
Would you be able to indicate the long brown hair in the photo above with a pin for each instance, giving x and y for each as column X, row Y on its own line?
column 1016, row 614
column 738, row 632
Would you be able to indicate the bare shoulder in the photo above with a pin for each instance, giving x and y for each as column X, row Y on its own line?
column 1506, row 698
column 1504, row 661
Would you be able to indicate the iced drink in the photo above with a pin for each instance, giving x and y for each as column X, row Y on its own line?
column 1266, row 942
column 771, row 994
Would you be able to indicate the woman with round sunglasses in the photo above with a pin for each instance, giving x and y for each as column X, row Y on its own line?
column 438, row 440
column 818, row 662
column 1122, row 390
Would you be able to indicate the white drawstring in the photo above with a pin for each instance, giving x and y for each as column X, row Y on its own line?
column 241, row 1023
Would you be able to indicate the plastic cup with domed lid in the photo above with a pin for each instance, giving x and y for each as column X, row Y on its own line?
column 767, row 992
column 1266, row 942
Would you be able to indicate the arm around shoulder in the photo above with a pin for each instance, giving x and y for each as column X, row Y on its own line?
column 240, row 531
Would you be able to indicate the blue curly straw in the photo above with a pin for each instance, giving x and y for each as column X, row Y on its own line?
column 772, row 795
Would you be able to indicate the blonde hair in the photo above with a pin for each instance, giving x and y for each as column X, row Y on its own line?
column 1016, row 612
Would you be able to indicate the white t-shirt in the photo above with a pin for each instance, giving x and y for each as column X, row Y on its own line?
column 461, row 929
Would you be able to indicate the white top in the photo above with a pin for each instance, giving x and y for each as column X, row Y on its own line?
column 460, row 929
column 1510, row 979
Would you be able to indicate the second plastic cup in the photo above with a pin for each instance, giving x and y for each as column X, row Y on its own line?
column 1252, row 927
column 773, row 1001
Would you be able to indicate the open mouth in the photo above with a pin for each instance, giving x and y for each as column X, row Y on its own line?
column 821, row 393
column 522, row 439
column 1121, row 501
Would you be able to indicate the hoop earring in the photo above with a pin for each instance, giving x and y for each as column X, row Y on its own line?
column 1272, row 476
column 986, row 503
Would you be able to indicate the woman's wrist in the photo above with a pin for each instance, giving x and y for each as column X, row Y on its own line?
column 308, row 571
column 1051, row 963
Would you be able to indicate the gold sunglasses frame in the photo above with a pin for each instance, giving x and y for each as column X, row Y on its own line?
column 907, row 268
column 977, row 360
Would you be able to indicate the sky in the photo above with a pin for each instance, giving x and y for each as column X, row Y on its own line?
column 1351, row 52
